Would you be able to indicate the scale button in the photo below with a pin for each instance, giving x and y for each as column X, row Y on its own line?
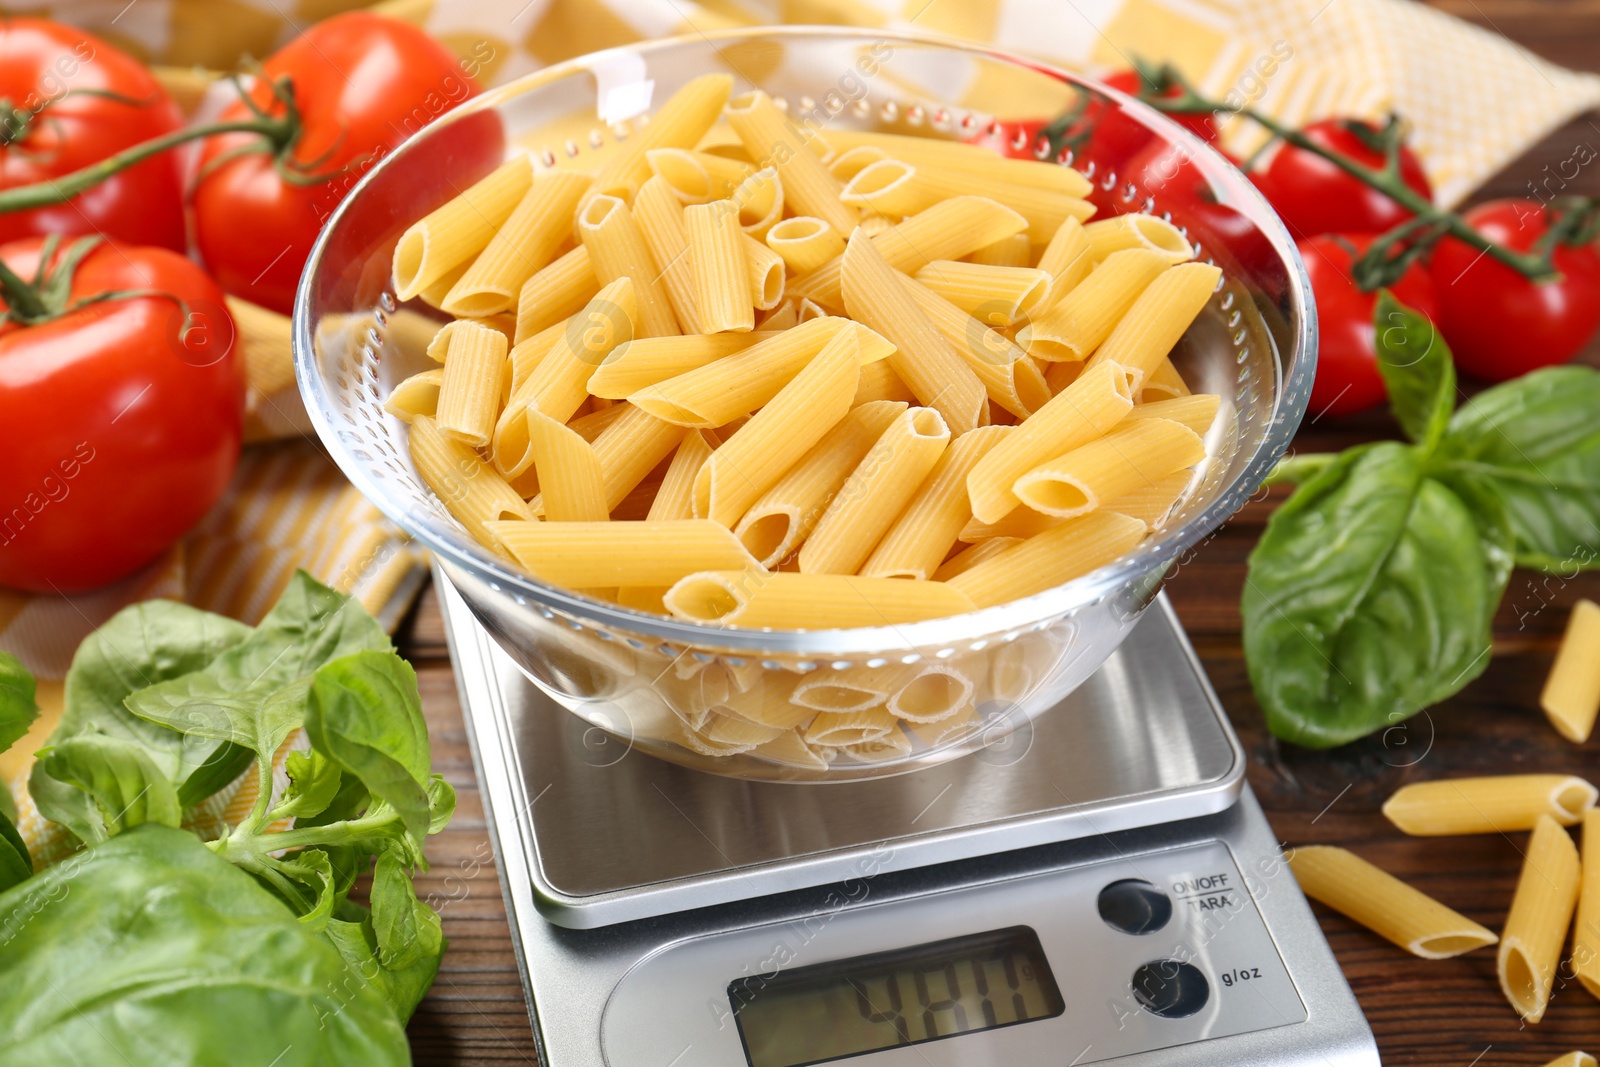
column 1134, row 906
column 1170, row 989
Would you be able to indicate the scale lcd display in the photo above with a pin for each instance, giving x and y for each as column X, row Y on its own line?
column 963, row 985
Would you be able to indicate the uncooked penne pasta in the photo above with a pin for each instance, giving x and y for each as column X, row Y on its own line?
column 591, row 425
column 417, row 395
column 923, row 535
column 1571, row 694
column 784, row 517
column 847, row 164
column 475, row 376
column 570, row 480
column 1009, row 378
column 433, row 295
column 786, row 316
column 675, row 498
column 1085, row 410
column 791, row 747
column 1163, row 383
column 1132, row 456
column 717, row 263
column 1196, row 411
column 1081, row 321
column 1018, row 522
column 559, row 383
column 1067, row 259
column 589, row 554
column 840, row 691
column 893, row 745
column 647, row 361
column 772, row 140
column 1488, row 805
column 617, row 250
column 894, row 187
column 995, row 296
column 1586, row 927
column 880, row 382
column 839, row 729
column 1151, row 504
column 928, row 692
column 875, row 494
column 466, row 485
column 680, row 122
column 760, row 200
column 764, row 272
column 1385, row 905
column 525, row 244
column 1573, row 1059
column 757, row 455
column 1137, row 231
column 1050, row 559
column 1536, row 927
column 555, row 294
column 1158, row 318
column 804, row 242
column 630, row 446
column 660, row 219
column 448, row 237
column 954, row 155
column 1013, row 251
column 697, row 177
column 973, row 555
column 810, row 601
column 875, row 294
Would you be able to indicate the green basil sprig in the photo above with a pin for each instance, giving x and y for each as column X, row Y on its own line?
column 1372, row 592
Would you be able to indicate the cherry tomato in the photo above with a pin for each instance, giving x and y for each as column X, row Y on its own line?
column 1347, row 362
column 1202, row 126
column 68, row 100
column 363, row 83
column 1314, row 196
column 120, row 429
column 1498, row 323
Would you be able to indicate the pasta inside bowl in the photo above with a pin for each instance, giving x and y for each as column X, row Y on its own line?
column 789, row 414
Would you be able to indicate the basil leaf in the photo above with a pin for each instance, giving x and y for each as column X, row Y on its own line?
column 127, row 788
column 312, row 868
column 18, row 708
column 1369, row 597
column 408, row 930
column 366, row 715
column 357, row 942
column 15, row 863
column 150, row 949
column 313, row 784
column 441, row 803
column 1535, row 443
column 1417, row 369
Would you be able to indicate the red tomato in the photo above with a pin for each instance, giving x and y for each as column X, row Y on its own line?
column 1314, row 196
column 68, row 100
column 119, row 432
column 1347, row 362
column 1202, row 126
column 1498, row 323
column 363, row 83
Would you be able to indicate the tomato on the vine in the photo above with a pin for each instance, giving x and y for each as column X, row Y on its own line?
column 1500, row 324
column 1314, row 196
column 1203, row 126
column 67, row 100
column 362, row 84
column 121, row 409
column 1348, row 379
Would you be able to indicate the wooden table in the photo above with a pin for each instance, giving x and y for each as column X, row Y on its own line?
column 1448, row 1013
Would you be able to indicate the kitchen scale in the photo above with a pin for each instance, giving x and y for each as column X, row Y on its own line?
column 1099, row 885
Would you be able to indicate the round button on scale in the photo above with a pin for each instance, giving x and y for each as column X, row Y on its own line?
column 1134, row 906
column 1171, row 989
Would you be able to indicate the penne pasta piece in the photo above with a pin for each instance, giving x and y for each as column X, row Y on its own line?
column 1536, row 927
column 1488, row 805
column 1020, row 523
column 1013, row 251
column 1163, row 383
column 847, row 164
column 1571, row 694
column 475, row 376
column 875, row 494
column 1151, row 504
column 760, row 200
column 591, row 426
column 971, row 556
column 559, row 383
column 589, row 554
column 1132, row 456
column 839, row 691
column 1009, row 378
column 880, row 382
column 675, row 498
column 742, row 733
column 757, row 455
column 555, row 294
column 570, row 480
column 893, row 745
column 1586, row 927
column 873, row 223
column 265, row 345
column 466, row 485
column 769, row 702
column 764, row 272
column 697, row 177
column 1573, row 1059
column 955, row 155
column 681, row 120
column 617, row 250
column 660, row 219
column 629, row 447
column 809, row 601
column 524, row 245
column 804, row 242
column 786, row 316
column 1196, row 411
column 790, row 747
column 433, row 295
column 1137, row 231
column 928, row 527
column 1066, row 259
column 1158, row 318
column 772, row 140
column 643, row 598
column 1081, row 321
column 949, row 230
column 1384, row 904
column 417, row 395
column 926, row 692
column 1051, row 558
column 449, row 236
column 1085, row 410
column 647, row 361
column 875, row 294
column 894, row 187
column 779, row 522
column 1061, row 375
column 963, row 724
column 717, row 263
column 839, row 729
column 995, row 296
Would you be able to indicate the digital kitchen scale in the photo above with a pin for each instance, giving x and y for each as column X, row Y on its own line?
column 1100, row 885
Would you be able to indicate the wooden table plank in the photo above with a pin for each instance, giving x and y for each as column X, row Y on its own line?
column 1439, row 1014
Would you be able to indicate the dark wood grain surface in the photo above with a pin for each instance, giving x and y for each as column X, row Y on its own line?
column 1429, row 1014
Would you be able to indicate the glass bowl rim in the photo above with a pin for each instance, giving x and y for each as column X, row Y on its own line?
column 1018, row 616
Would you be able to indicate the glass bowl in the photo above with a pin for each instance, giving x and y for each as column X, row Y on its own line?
column 680, row 690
